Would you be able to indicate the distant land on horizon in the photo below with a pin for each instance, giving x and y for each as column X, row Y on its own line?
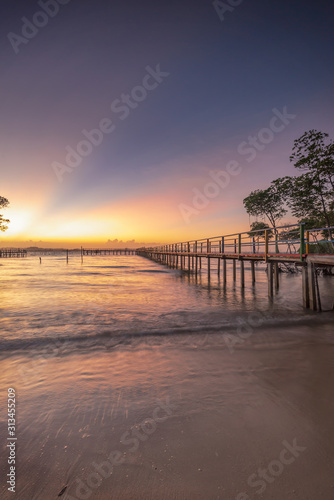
column 74, row 248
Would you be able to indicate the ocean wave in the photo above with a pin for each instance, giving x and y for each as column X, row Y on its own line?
column 108, row 338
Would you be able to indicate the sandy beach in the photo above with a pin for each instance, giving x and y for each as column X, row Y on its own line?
column 200, row 423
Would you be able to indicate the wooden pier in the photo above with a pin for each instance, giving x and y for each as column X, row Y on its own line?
column 286, row 244
column 9, row 254
column 108, row 251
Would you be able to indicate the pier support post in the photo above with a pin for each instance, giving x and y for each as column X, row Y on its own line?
column 224, row 270
column 253, row 271
column 317, row 290
column 218, row 268
column 311, row 285
column 270, row 279
column 234, row 270
column 306, row 294
column 276, row 275
column 242, row 274
column 209, row 270
column 196, row 263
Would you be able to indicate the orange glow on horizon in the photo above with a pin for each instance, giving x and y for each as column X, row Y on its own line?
column 58, row 216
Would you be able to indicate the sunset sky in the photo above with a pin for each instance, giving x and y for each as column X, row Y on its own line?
column 197, row 84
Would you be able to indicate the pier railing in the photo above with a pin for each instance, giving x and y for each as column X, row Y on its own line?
column 107, row 251
column 307, row 249
column 289, row 240
column 12, row 253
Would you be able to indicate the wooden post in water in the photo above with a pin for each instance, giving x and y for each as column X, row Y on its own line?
column 208, row 249
column 67, row 256
column 317, row 289
column 276, row 275
column 234, row 270
column 270, row 271
column 196, row 259
column 311, row 284
column 306, row 295
column 181, row 257
column 224, row 270
column 253, row 271
column 218, row 266
column 242, row 273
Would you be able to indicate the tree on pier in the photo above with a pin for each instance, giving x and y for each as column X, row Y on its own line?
column 311, row 195
column 3, row 222
column 266, row 203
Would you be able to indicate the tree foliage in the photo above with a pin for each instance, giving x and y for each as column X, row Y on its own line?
column 310, row 195
column 260, row 228
column 313, row 153
column 3, row 222
column 266, row 203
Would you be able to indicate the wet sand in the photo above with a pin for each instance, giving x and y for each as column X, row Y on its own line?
column 178, row 419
